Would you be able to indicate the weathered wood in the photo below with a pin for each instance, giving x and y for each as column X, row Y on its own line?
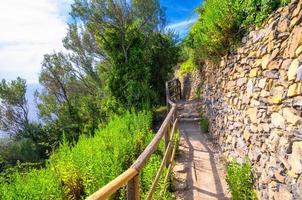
column 165, row 160
column 143, row 158
column 168, row 173
column 133, row 191
column 173, row 90
column 109, row 189
column 167, row 139
column 159, row 172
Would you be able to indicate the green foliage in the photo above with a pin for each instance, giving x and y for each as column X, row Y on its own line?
column 13, row 106
column 199, row 92
column 78, row 171
column 137, row 54
column 187, row 66
column 221, row 24
column 204, row 123
column 240, row 180
column 41, row 184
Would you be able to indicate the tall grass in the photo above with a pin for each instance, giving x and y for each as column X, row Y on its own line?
column 78, row 171
column 221, row 24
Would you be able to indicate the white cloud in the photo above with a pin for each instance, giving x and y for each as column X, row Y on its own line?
column 28, row 30
column 181, row 27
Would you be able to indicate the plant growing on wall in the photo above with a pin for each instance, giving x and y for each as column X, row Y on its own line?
column 240, row 180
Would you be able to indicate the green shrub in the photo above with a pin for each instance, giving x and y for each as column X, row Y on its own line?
column 240, row 180
column 74, row 172
column 198, row 92
column 204, row 123
column 221, row 24
column 187, row 66
column 41, row 184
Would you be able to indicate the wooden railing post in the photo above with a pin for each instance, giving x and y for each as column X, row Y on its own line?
column 133, row 192
column 167, row 140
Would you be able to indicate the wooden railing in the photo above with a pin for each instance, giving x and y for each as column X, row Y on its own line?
column 131, row 176
column 173, row 91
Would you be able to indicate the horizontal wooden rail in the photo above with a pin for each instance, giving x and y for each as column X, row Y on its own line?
column 166, row 156
column 143, row 158
column 131, row 176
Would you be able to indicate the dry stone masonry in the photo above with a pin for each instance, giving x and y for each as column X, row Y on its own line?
column 254, row 103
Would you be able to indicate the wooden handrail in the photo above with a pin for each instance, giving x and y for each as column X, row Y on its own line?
column 166, row 156
column 143, row 158
column 131, row 175
column 106, row 191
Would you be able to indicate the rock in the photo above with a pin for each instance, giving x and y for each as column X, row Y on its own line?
column 269, row 84
column 286, row 63
column 256, row 154
column 241, row 82
column 264, row 93
column 273, row 141
column 275, row 100
column 299, row 73
column 297, row 102
column 299, row 51
column 250, row 87
column 246, row 135
column 277, row 120
column 262, row 83
column 253, row 73
column 290, row 115
column 278, row 91
column 254, row 128
column 295, row 40
column 295, row 159
column 273, row 74
column 252, row 114
column 299, row 185
column 179, row 168
column 276, row 64
column 179, row 184
column 292, row 71
column 283, row 194
column 283, row 25
column 265, row 127
column 265, row 61
column 246, row 99
column 294, row 90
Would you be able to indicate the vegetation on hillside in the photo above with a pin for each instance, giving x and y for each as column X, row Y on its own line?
column 74, row 172
column 222, row 23
column 118, row 57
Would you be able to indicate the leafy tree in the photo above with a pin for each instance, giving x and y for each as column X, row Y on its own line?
column 13, row 106
column 118, row 54
column 29, row 141
column 67, row 101
column 132, row 40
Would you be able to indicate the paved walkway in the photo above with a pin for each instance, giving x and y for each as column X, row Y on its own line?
column 198, row 175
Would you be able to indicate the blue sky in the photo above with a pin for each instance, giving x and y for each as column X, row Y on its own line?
column 30, row 29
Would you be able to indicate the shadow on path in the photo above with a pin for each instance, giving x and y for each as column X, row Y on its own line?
column 204, row 180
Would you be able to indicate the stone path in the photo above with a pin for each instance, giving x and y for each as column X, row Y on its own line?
column 197, row 173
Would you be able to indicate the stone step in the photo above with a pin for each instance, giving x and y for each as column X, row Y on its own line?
column 189, row 115
column 190, row 119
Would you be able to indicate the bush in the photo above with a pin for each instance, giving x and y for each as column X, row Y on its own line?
column 221, row 24
column 41, row 184
column 187, row 66
column 204, row 123
column 240, row 180
column 78, row 171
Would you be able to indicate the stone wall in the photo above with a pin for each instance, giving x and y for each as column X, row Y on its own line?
column 253, row 100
